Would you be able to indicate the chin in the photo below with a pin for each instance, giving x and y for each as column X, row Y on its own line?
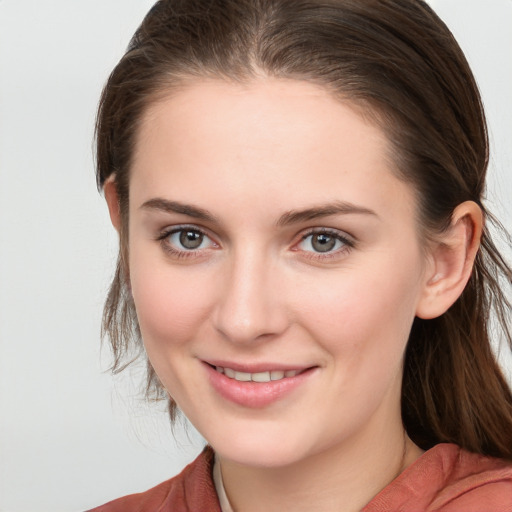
column 262, row 457
column 260, row 449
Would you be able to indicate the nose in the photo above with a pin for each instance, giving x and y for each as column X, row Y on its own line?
column 251, row 304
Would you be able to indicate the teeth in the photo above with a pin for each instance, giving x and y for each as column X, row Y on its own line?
column 242, row 376
column 260, row 377
column 256, row 377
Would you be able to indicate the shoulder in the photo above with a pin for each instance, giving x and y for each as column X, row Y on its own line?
column 473, row 483
column 449, row 479
column 192, row 489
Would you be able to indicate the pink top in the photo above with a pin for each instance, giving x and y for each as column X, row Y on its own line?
column 448, row 479
column 445, row 478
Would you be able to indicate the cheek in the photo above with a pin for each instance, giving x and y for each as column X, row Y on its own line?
column 366, row 311
column 170, row 305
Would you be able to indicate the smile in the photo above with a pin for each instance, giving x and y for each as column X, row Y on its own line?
column 271, row 375
column 256, row 386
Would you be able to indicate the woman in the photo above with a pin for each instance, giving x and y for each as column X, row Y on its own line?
column 297, row 187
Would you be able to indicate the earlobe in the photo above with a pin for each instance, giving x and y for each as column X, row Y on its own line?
column 112, row 198
column 451, row 261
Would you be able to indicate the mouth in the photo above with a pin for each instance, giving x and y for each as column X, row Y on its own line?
column 256, row 386
column 265, row 376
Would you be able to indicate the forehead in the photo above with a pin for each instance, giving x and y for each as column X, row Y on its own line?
column 262, row 113
column 286, row 140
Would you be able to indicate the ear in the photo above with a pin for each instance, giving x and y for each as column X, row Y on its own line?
column 110, row 191
column 451, row 261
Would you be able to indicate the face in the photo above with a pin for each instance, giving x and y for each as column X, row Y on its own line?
column 275, row 267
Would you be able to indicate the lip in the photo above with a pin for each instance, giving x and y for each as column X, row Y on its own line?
column 256, row 367
column 255, row 395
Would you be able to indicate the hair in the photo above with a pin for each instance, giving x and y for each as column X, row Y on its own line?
column 400, row 64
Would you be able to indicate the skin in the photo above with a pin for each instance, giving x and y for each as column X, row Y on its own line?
column 257, row 291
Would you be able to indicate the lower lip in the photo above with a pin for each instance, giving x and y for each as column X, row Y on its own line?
column 254, row 394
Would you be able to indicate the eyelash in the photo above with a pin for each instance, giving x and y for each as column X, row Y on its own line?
column 347, row 243
column 181, row 254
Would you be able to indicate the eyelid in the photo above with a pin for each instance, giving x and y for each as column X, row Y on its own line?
column 166, row 232
column 337, row 233
column 348, row 241
column 169, row 230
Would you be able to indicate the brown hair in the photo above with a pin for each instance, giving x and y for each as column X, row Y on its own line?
column 399, row 62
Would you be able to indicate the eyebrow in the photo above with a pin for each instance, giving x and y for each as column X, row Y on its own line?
column 288, row 218
column 167, row 206
column 326, row 210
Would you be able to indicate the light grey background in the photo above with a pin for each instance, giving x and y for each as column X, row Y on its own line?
column 70, row 436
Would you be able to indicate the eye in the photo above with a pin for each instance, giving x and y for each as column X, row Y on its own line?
column 184, row 240
column 189, row 239
column 324, row 241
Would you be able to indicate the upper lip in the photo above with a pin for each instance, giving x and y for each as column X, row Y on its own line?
column 257, row 367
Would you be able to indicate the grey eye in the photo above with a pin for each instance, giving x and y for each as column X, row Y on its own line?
column 185, row 240
column 322, row 242
column 190, row 239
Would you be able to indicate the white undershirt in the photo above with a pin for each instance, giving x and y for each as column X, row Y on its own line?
column 225, row 506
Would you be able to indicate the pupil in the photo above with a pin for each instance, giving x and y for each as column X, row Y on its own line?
column 191, row 239
column 323, row 242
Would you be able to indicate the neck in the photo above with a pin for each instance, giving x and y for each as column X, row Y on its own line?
column 343, row 478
